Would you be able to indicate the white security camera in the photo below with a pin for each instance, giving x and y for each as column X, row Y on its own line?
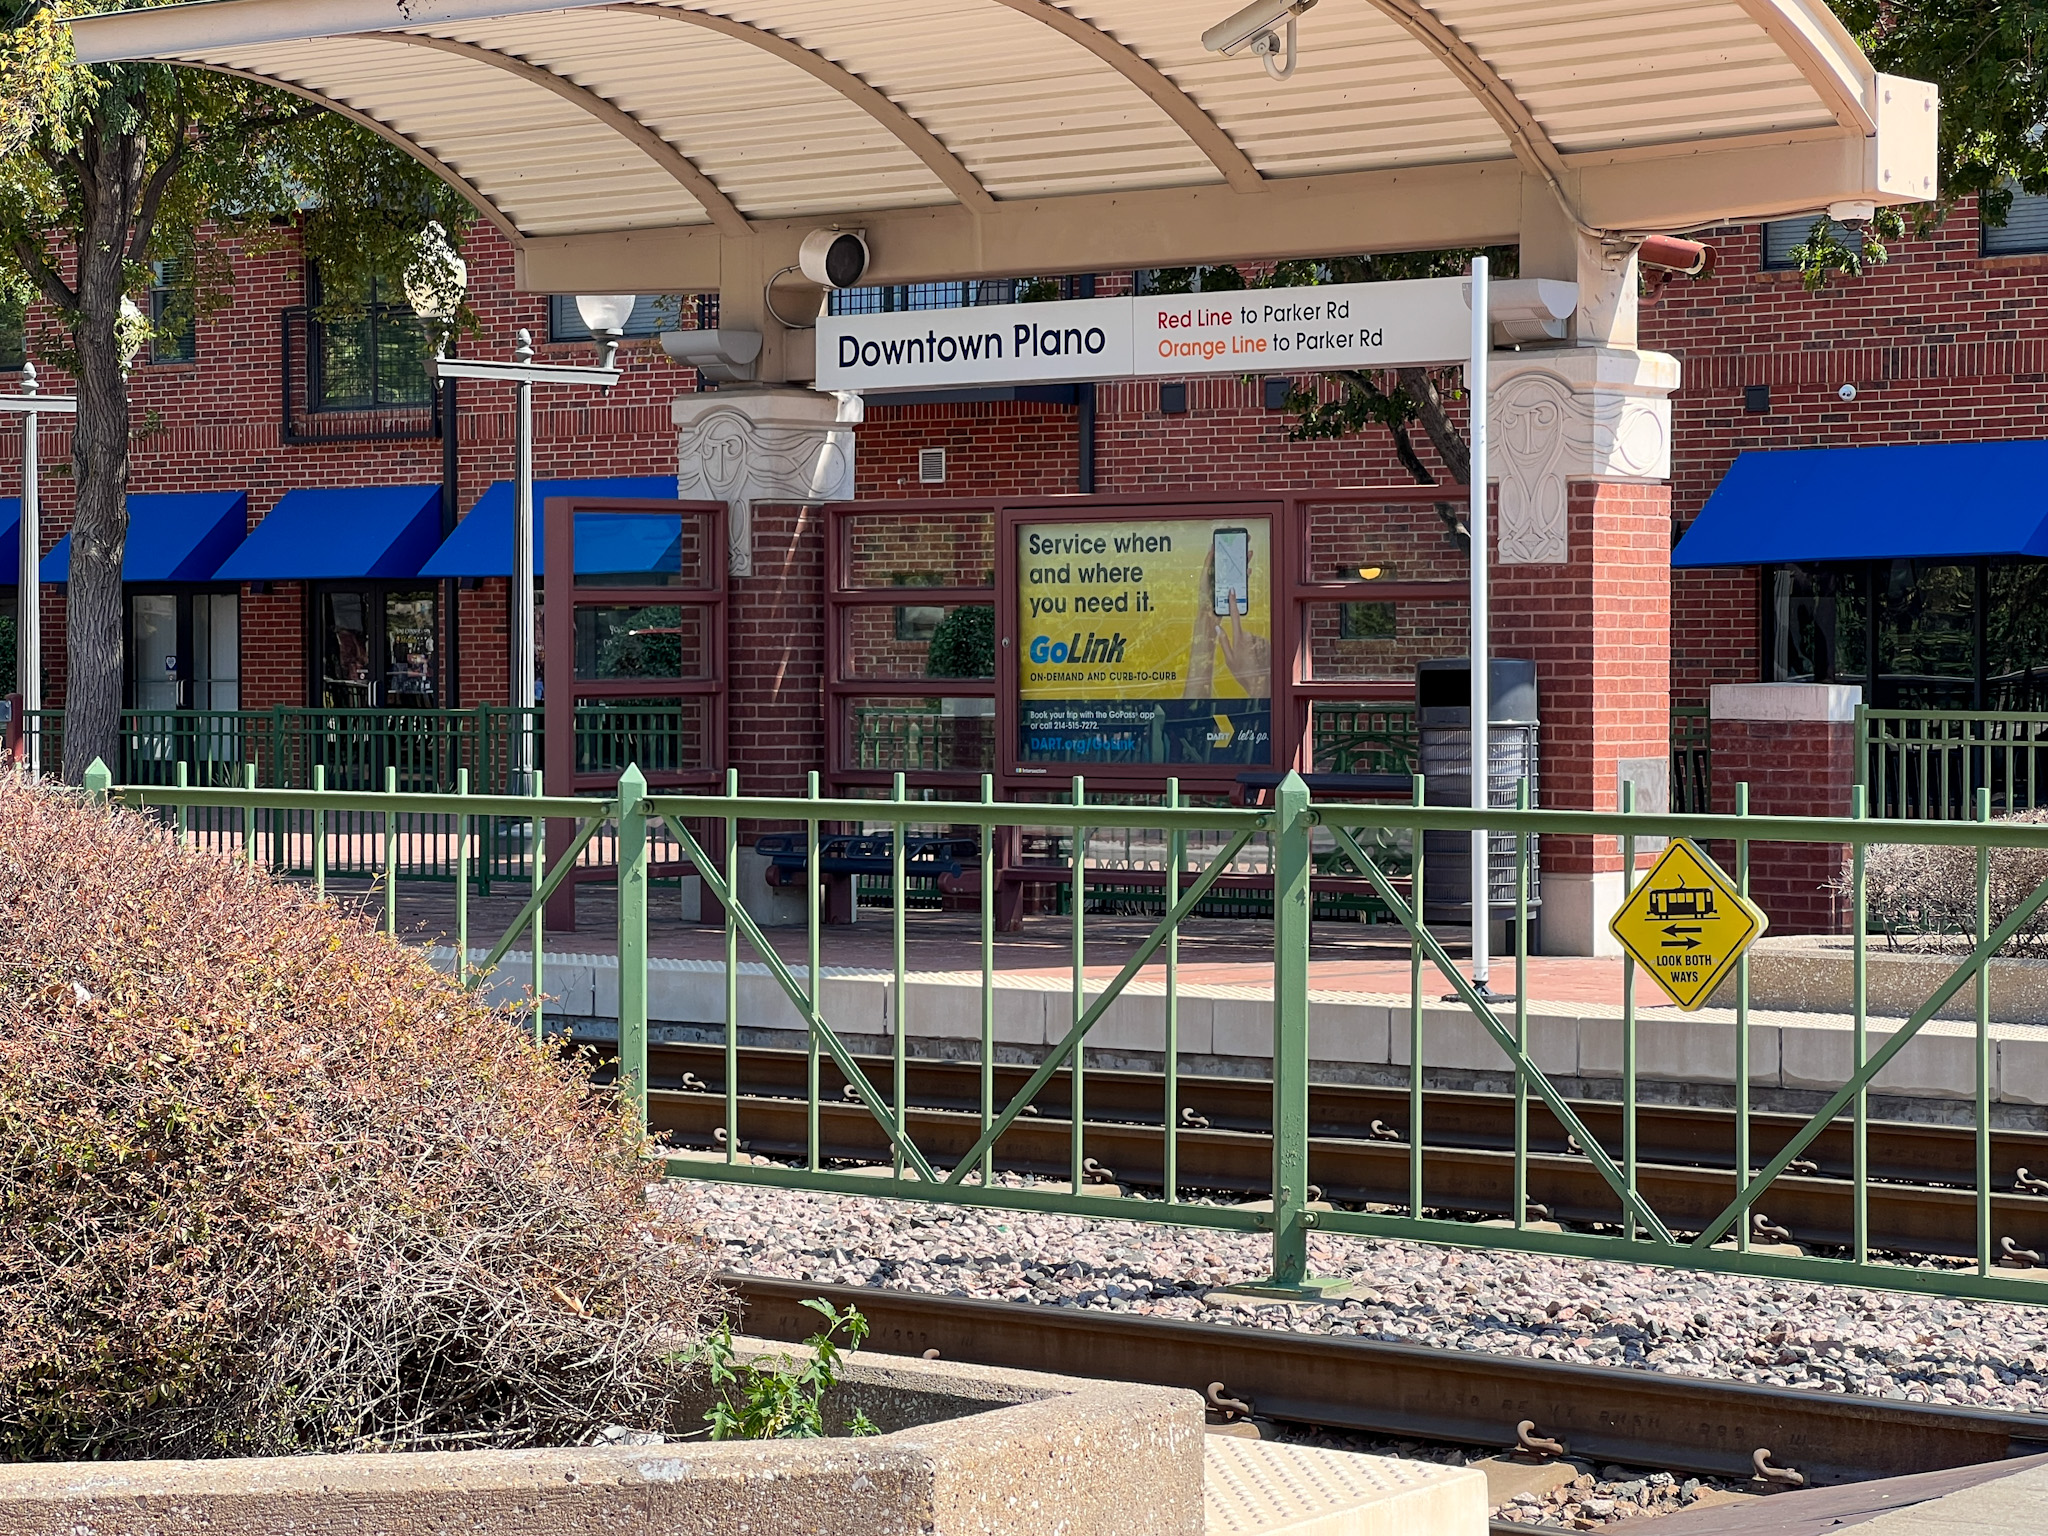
column 727, row 357
column 1253, row 28
column 1847, row 392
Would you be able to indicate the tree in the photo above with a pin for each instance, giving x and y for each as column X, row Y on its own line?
column 107, row 169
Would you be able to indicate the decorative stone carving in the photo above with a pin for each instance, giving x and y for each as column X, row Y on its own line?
column 740, row 446
column 1575, row 413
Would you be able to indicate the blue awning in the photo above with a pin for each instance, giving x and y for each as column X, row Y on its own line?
column 481, row 544
column 324, row 534
column 1921, row 501
column 181, row 537
column 10, row 547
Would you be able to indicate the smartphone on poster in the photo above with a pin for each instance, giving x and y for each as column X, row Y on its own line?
column 1231, row 571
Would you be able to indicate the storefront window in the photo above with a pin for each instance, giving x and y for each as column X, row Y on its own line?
column 2016, row 636
column 378, row 649
column 1926, row 636
column 184, row 651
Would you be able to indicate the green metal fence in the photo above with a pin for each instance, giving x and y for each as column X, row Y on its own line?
column 1930, row 764
column 1692, row 773
column 1716, row 1236
column 383, row 751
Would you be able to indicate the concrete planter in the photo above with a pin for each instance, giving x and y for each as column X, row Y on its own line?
column 1809, row 974
column 968, row 1451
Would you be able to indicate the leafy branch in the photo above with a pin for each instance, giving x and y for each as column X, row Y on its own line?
column 781, row 1398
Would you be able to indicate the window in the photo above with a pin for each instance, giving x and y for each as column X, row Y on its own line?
column 652, row 314
column 375, row 360
column 13, row 341
column 377, row 648
column 184, row 651
column 2025, row 230
column 1366, row 621
column 176, row 338
column 1781, row 235
column 993, row 290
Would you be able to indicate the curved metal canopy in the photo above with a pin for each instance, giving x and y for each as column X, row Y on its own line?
column 690, row 143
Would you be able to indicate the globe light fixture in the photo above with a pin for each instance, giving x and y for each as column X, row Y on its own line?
column 606, row 314
column 436, row 283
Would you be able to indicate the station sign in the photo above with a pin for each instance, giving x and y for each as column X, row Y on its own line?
column 1252, row 330
column 1687, row 924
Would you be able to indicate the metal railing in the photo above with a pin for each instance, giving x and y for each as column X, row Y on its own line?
column 1930, row 764
column 379, row 751
column 1692, row 773
column 951, row 1156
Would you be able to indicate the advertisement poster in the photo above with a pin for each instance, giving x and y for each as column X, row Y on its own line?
column 1148, row 641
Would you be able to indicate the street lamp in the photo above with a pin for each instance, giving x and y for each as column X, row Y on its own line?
column 28, row 622
column 523, row 372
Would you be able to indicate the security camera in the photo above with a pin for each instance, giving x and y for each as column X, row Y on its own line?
column 1253, row 28
column 1235, row 33
column 833, row 258
column 1847, row 392
column 726, row 357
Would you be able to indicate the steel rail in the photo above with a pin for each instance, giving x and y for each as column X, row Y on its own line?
column 1902, row 1151
column 1637, row 1418
column 1904, row 1218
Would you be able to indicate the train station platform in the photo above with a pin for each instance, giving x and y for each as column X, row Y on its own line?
column 1359, row 1025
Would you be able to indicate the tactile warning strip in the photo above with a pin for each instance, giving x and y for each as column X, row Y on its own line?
column 1257, row 1488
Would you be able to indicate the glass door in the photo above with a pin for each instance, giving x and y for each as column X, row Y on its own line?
column 411, row 675
column 159, row 687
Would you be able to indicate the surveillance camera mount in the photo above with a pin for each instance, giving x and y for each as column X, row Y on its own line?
column 1268, row 47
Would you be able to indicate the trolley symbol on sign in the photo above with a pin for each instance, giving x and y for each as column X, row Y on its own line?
column 1687, row 924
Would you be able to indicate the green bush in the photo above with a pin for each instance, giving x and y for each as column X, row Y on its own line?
column 964, row 644
column 272, row 1184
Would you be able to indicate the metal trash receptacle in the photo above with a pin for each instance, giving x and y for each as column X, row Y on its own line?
column 1443, row 693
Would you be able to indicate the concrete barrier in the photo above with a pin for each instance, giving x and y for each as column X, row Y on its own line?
column 970, row 1451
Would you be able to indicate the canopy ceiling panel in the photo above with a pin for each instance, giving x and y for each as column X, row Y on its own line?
column 1373, row 94
column 693, row 142
column 759, row 129
column 1597, row 74
column 1037, row 114
column 549, row 165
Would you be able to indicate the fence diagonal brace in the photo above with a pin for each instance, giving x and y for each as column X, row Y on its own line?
column 1505, row 1039
column 564, row 864
column 805, row 1002
column 1978, row 959
column 1087, row 1021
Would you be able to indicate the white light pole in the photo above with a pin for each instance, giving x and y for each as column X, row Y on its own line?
column 28, row 604
column 523, row 373
column 1482, row 643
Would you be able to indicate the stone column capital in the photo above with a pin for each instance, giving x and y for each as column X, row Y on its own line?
column 1572, row 413
column 740, row 446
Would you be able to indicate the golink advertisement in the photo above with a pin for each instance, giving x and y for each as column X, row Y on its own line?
column 1146, row 642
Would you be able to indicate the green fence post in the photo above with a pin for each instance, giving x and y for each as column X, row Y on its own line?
column 632, row 812
column 99, row 782
column 1292, row 867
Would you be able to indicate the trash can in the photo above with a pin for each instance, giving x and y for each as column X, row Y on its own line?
column 1443, row 694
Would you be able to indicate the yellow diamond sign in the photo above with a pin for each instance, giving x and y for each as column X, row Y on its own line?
column 1686, row 924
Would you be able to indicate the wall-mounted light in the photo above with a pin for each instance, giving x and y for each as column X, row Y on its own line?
column 606, row 315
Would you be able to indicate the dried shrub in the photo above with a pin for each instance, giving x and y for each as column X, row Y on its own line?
column 1926, row 898
column 271, row 1184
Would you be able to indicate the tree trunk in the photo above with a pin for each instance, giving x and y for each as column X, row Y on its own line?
column 99, row 458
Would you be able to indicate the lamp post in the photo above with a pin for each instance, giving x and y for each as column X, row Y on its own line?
column 523, row 373
column 28, row 621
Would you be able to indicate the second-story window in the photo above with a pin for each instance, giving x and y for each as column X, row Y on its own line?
column 369, row 360
column 13, row 337
column 176, row 338
column 652, row 314
column 2025, row 230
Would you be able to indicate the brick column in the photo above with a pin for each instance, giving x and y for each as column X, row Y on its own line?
column 1794, row 744
column 1582, row 587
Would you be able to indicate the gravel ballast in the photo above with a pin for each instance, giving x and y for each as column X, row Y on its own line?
column 1772, row 1333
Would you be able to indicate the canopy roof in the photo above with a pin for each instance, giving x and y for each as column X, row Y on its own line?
column 681, row 145
column 178, row 536
column 1915, row 501
column 327, row 533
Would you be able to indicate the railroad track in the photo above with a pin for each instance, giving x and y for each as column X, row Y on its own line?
column 1409, row 1391
column 1920, row 1196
